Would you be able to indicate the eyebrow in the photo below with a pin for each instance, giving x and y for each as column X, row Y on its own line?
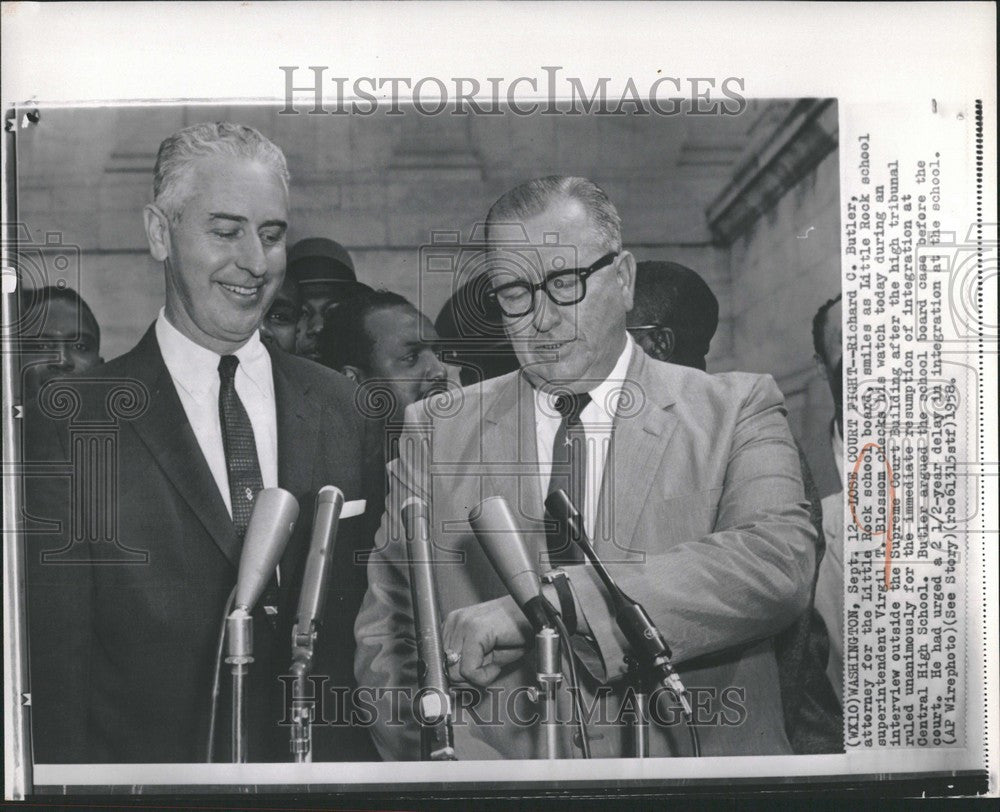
column 239, row 218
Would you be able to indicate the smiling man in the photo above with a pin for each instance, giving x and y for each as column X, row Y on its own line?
column 124, row 632
column 385, row 345
column 688, row 483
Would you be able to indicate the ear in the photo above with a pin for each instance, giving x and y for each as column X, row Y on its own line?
column 626, row 278
column 666, row 343
column 354, row 373
column 157, row 232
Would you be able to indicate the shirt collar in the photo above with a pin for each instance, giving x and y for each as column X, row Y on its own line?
column 196, row 369
column 604, row 396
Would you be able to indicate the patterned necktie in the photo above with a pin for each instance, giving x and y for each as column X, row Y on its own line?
column 245, row 479
column 569, row 472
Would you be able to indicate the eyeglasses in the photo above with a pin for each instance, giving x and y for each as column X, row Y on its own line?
column 568, row 287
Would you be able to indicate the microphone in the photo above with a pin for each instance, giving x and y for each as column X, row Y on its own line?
column 274, row 513
column 435, row 706
column 495, row 528
column 271, row 523
column 635, row 624
column 329, row 503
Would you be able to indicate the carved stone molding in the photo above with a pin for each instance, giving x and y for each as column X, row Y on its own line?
column 804, row 133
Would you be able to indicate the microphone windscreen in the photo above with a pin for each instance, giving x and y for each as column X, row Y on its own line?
column 274, row 513
column 493, row 523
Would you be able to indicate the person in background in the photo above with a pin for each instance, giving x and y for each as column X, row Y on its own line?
column 388, row 347
column 674, row 319
column 470, row 326
column 281, row 324
column 324, row 272
column 675, row 314
column 828, row 344
column 60, row 337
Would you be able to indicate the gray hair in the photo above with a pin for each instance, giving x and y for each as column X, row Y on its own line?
column 534, row 196
column 180, row 150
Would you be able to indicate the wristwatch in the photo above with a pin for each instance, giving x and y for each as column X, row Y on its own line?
column 567, row 605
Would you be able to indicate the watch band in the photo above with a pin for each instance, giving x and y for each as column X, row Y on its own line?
column 567, row 605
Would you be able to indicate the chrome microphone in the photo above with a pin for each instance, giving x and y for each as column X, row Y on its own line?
column 270, row 527
column 434, row 708
column 315, row 577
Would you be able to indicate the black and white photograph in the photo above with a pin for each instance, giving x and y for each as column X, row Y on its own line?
column 455, row 429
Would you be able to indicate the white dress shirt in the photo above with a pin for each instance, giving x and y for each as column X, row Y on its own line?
column 597, row 419
column 195, row 372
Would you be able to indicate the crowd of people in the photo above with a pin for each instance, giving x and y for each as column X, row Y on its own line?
column 264, row 368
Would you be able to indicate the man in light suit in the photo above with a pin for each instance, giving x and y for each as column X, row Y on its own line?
column 692, row 494
column 125, row 622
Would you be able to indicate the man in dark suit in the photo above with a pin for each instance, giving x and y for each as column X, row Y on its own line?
column 200, row 416
column 688, row 483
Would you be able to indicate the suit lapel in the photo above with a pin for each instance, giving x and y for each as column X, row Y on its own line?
column 298, row 416
column 640, row 439
column 165, row 431
column 511, row 456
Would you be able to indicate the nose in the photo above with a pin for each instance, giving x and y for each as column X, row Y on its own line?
column 253, row 258
column 314, row 324
column 64, row 360
column 546, row 314
column 434, row 370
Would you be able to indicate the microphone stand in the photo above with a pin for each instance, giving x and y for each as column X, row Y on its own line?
column 549, row 673
column 638, row 726
column 239, row 631
column 647, row 643
column 302, row 707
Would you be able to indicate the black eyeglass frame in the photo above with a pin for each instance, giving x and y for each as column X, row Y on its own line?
column 582, row 274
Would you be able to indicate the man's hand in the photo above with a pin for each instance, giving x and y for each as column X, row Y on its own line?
column 486, row 637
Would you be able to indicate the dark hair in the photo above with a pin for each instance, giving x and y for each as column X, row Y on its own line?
column 819, row 325
column 39, row 299
column 677, row 297
column 344, row 340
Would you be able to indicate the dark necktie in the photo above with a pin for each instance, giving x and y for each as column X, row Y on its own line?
column 245, row 479
column 569, row 472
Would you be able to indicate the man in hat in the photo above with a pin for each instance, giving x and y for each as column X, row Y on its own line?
column 324, row 272
column 472, row 336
